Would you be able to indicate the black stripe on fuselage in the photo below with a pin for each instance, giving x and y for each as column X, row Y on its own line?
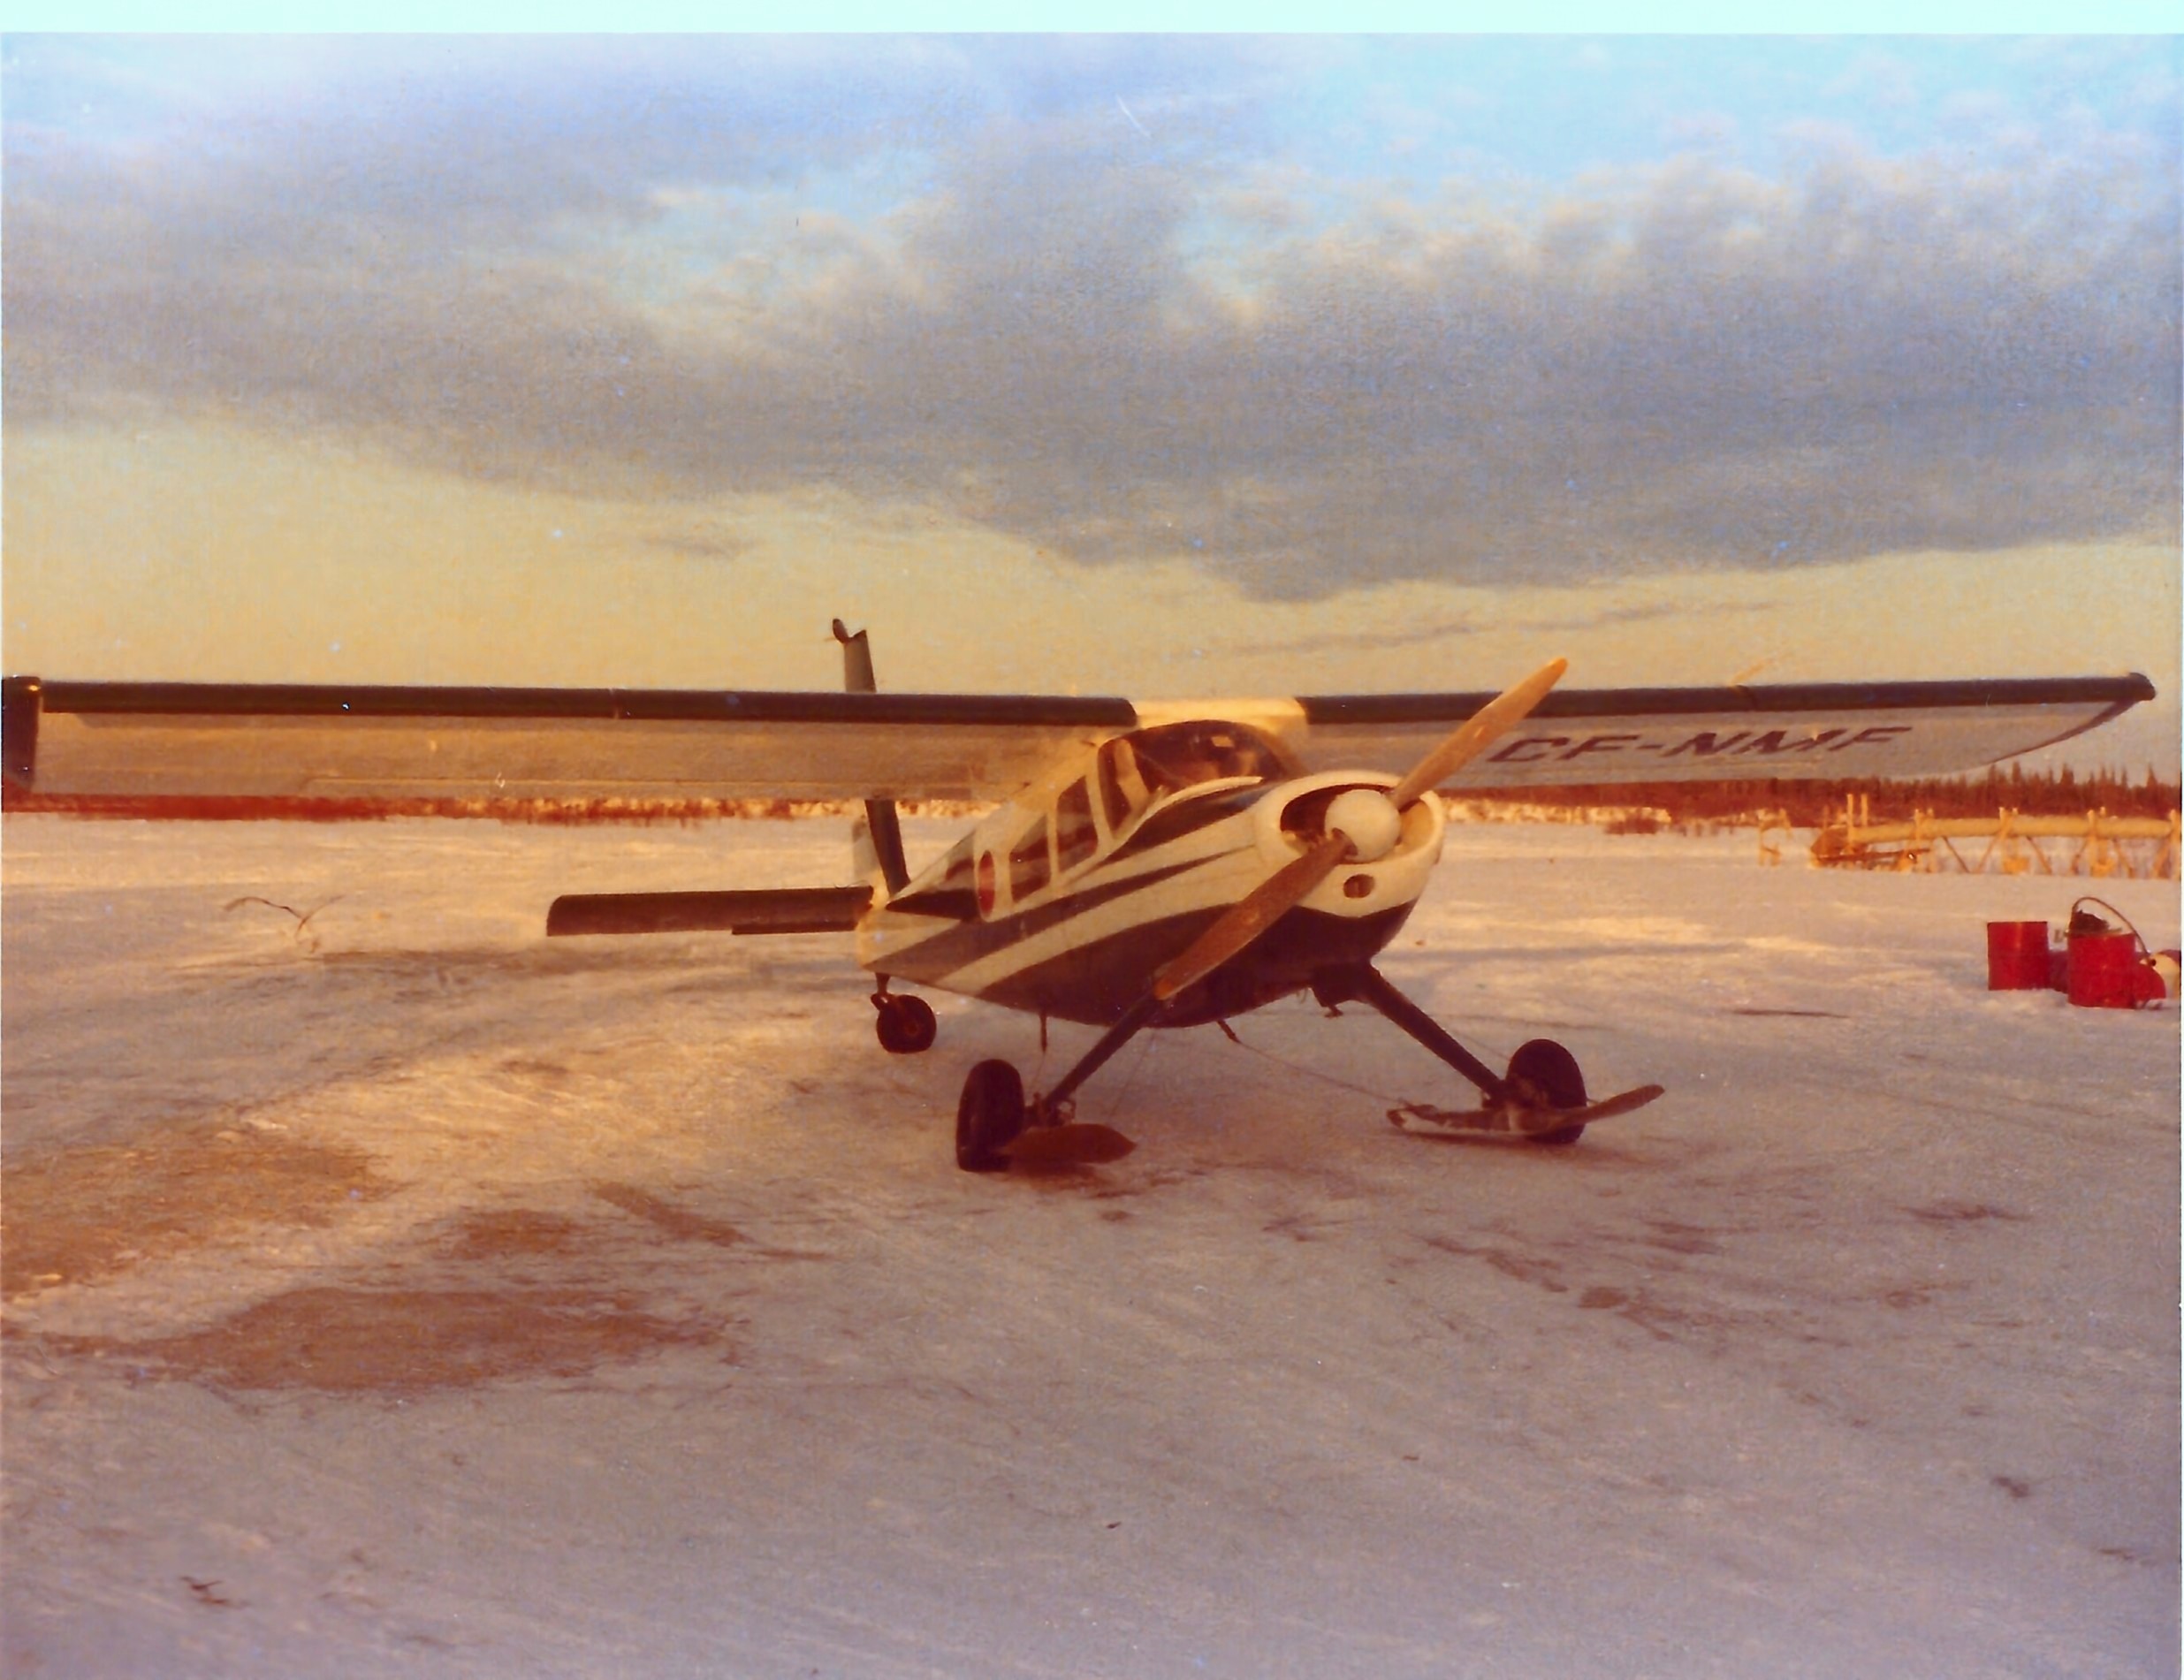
column 964, row 943
column 1187, row 816
column 952, row 903
column 1096, row 982
column 969, row 940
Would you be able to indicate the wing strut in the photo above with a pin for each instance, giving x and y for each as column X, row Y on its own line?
column 879, row 814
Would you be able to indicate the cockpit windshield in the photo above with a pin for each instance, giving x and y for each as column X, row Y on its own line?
column 1137, row 769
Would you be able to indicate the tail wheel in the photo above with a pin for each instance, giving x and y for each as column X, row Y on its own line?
column 1552, row 1072
column 989, row 1117
column 906, row 1025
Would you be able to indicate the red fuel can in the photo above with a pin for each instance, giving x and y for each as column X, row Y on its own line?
column 2105, row 971
column 2017, row 956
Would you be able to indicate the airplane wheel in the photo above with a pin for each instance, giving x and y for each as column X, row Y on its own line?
column 907, row 1026
column 1552, row 1071
column 989, row 1117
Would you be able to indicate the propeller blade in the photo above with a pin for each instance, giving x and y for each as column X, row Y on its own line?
column 1499, row 715
column 1251, row 915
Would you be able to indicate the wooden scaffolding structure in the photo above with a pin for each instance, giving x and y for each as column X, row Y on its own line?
column 2011, row 842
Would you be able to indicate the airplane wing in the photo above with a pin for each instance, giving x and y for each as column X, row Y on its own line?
column 332, row 741
column 217, row 740
column 1800, row 730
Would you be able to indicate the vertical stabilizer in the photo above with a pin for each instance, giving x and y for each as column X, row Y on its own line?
column 877, row 840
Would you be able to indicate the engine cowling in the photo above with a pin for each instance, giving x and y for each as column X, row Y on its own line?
column 1389, row 861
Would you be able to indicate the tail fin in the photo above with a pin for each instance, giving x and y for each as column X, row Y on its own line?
column 875, row 838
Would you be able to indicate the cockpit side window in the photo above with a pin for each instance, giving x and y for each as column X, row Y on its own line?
column 1122, row 789
column 1074, row 837
column 1028, row 868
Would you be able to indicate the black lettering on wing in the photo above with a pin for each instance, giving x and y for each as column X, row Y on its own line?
column 1776, row 741
column 1516, row 753
column 1876, row 735
column 1706, row 744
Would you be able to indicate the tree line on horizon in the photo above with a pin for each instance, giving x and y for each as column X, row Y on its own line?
column 1806, row 804
column 1814, row 805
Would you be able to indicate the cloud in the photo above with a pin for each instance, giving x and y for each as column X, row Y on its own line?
column 1499, row 622
column 1700, row 131
column 1875, row 78
column 936, row 277
column 703, row 546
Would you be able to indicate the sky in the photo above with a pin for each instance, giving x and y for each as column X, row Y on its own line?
column 1154, row 365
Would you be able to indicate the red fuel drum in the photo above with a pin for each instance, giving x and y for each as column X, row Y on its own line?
column 2017, row 956
column 2105, row 972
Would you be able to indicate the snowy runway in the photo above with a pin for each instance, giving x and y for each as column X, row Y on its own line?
column 393, row 1291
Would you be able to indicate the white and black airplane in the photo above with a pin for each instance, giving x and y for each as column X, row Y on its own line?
column 1146, row 865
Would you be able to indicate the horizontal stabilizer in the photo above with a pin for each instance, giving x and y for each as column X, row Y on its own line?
column 809, row 910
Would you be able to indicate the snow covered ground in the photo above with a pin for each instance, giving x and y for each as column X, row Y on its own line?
column 400, row 1292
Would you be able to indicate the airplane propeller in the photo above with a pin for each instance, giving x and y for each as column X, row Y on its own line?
column 1356, row 826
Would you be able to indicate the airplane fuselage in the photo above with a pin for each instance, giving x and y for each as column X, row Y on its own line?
column 1068, row 900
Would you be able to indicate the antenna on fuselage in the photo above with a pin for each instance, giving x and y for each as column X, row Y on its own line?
column 880, row 820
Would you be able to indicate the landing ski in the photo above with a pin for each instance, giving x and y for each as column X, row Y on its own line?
column 1422, row 1120
column 1073, row 1144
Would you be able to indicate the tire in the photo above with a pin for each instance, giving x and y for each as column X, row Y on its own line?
column 989, row 1117
column 1551, row 1070
column 907, row 1027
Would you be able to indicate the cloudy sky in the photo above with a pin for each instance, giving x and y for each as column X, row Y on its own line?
column 1150, row 365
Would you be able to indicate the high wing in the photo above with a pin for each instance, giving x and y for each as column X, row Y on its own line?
column 338, row 743
column 334, row 742
column 1800, row 730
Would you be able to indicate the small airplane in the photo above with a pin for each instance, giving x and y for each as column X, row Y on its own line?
column 1145, row 865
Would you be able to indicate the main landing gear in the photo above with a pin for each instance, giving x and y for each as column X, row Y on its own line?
column 1541, row 1099
column 989, row 1118
column 1550, row 1074
column 906, row 1025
